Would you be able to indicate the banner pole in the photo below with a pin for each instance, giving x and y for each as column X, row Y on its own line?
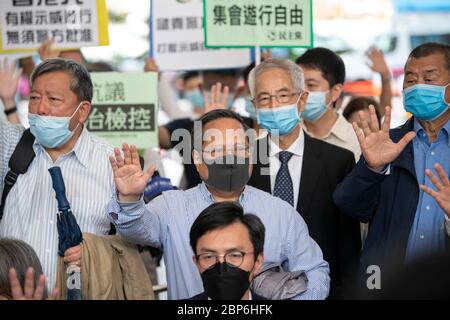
column 257, row 55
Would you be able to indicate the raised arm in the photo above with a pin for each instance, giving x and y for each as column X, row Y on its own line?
column 9, row 79
column 357, row 195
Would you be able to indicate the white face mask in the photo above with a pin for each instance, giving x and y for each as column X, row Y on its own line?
column 51, row 132
column 316, row 105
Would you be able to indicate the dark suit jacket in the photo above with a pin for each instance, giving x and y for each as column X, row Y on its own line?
column 324, row 167
column 204, row 296
column 388, row 202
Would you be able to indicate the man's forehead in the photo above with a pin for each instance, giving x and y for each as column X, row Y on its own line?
column 273, row 78
column 236, row 235
column 431, row 62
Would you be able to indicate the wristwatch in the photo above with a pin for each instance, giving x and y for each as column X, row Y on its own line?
column 10, row 111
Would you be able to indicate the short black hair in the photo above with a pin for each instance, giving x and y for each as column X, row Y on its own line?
column 329, row 63
column 223, row 214
column 361, row 103
column 81, row 83
column 197, row 135
column 189, row 75
column 429, row 48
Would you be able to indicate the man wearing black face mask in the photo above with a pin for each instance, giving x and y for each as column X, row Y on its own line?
column 221, row 154
column 228, row 248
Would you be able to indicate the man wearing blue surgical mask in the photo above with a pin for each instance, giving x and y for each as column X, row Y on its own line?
column 299, row 169
column 407, row 224
column 324, row 80
column 190, row 85
column 60, row 102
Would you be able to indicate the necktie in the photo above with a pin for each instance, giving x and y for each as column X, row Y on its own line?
column 283, row 183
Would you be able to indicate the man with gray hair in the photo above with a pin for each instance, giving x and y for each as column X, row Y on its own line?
column 299, row 169
column 60, row 102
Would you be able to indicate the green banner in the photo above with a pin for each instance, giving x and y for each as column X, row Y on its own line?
column 125, row 108
column 265, row 23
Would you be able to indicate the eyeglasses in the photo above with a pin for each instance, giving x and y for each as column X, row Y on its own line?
column 281, row 97
column 232, row 258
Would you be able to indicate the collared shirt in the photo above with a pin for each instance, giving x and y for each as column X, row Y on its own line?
column 294, row 164
column 166, row 221
column 341, row 135
column 31, row 207
column 428, row 232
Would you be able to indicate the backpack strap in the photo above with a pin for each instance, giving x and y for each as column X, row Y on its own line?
column 19, row 162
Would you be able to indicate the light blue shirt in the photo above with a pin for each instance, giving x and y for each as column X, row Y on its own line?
column 428, row 233
column 166, row 221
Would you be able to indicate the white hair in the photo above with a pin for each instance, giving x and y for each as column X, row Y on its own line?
column 294, row 71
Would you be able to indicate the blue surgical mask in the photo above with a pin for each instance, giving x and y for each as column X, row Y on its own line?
column 196, row 98
column 425, row 101
column 250, row 108
column 51, row 132
column 315, row 106
column 280, row 120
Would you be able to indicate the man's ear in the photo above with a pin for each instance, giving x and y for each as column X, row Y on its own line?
column 336, row 92
column 85, row 110
column 302, row 101
column 196, row 157
column 199, row 165
column 258, row 264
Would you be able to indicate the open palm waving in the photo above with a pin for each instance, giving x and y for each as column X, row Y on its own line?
column 376, row 145
column 128, row 175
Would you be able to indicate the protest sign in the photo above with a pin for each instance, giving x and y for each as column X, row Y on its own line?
column 125, row 108
column 25, row 24
column 177, row 39
column 252, row 23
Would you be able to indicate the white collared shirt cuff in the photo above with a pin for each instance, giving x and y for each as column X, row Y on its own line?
column 447, row 225
column 386, row 171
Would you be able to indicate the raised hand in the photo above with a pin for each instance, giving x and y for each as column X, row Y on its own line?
column 379, row 64
column 150, row 65
column 9, row 78
column 45, row 50
column 376, row 145
column 29, row 292
column 217, row 99
column 442, row 184
column 128, row 175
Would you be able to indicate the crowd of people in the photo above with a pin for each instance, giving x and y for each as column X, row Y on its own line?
column 287, row 192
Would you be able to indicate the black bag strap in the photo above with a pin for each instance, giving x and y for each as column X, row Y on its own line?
column 19, row 162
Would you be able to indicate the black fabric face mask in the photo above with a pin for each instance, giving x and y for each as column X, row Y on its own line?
column 230, row 173
column 225, row 282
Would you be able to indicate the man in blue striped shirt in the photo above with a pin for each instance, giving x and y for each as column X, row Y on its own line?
column 222, row 157
column 60, row 102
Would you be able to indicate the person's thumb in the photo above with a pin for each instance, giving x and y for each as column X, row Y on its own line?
column 406, row 139
column 150, row 171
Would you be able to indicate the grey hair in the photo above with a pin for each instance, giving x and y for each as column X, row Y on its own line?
column 81, row 83
column 19, row 255
column 294, row 71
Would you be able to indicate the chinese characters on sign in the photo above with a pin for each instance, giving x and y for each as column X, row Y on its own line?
column 122, row 118
column 25, row 24
column 250, row 23
column 177, row 36
column 124, row 108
